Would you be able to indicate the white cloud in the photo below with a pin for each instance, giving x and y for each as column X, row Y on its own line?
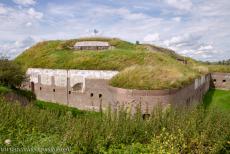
column 16, row 19
column 177, row 19
column 34, row 14
column 186, row 40
column 14, row 48
column 206, row 47
column 3, row 10
column 152, row 37
column 29, row 24
column 25, row 2
column 180, row 4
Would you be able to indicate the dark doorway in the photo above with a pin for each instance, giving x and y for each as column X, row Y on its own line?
column 32, row 86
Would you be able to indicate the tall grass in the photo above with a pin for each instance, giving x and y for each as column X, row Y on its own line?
column 153, row 77
column 187, row 130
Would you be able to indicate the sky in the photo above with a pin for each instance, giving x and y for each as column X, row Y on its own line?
column 196, row 28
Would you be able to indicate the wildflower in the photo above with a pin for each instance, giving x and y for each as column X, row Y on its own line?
column 7, row 141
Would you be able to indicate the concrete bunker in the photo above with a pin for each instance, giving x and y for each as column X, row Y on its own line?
column 92, row 45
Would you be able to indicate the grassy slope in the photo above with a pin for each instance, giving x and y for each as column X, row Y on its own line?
column 148, row 69
column 216, row 98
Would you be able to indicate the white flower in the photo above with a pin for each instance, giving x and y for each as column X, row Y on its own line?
column 7, row 141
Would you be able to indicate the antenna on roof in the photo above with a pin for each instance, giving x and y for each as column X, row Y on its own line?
column 95, row 31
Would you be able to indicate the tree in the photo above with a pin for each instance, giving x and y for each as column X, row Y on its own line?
column 11, row 74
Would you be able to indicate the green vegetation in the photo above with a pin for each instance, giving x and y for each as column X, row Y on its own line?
column 191, row 130
column 60, row 55
column 4, row 90
column 198, row 129
column 62, row 109
column 216, row 98
column 219, row 68
column 153, row 77
column 30, row 96
column 11, row 74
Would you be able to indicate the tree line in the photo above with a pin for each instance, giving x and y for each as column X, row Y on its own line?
column 221, row 62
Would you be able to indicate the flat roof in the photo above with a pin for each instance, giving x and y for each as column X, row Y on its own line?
column 91, row 43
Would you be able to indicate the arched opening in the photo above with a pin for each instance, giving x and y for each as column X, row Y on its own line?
column 78, row 86
column 146, row 116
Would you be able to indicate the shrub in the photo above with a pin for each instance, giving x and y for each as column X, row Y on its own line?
column 11, row 74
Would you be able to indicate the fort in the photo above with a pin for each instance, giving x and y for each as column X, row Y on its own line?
column 89, row 89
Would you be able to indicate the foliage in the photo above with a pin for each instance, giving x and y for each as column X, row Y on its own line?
column 26, row 93
column 222, row 62
column 62, row 109
column 219, row 68
column 4, row 90
column 181, row 130
column 11, row 74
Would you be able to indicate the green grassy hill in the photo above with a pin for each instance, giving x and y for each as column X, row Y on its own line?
column 141, row 67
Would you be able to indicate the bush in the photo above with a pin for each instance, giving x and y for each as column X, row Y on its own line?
column 11, row 74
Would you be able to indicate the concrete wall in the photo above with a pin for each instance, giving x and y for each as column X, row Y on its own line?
column 58, row 86
column 221, row 80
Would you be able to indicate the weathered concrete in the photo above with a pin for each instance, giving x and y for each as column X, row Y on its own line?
column 92, row 45
column 221, row 80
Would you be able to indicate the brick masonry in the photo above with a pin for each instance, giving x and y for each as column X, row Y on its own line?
column 89, row 90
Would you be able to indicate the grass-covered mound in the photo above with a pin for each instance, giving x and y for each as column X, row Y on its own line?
column 153, row 77
column 61, row 55
column 191, row 130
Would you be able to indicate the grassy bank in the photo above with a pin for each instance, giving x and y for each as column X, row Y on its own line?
column 191, row 130
column 153, row 77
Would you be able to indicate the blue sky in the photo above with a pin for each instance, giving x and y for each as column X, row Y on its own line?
column 195, row 28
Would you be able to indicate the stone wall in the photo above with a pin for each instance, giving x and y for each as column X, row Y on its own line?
column 221, row 80
column 148, row 99
column 89, row 90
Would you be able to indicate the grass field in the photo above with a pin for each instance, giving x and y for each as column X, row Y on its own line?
column 216, row 98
